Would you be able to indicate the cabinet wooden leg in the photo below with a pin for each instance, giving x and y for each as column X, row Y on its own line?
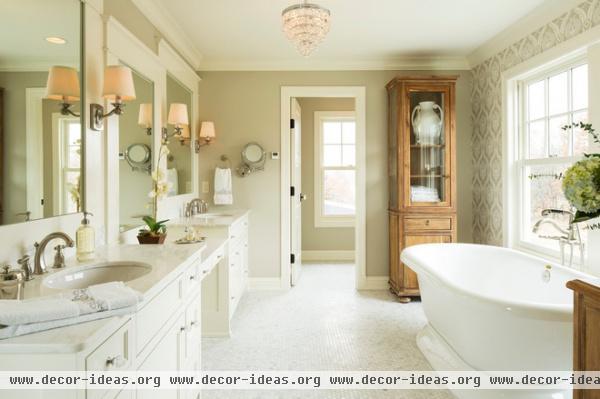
column 405, row 299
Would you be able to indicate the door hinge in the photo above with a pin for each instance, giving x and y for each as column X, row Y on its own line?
column 292, row 124
column 292, row 191
column 292, row 258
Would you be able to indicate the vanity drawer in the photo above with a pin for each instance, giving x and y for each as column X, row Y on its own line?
column 435, row 223
column 114, row 354
column 239, row 229
column 191, row 279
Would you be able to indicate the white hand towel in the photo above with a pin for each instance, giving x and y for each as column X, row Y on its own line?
column 173, row 182
column 223, row 187
column 68, row 305
column 22, row 329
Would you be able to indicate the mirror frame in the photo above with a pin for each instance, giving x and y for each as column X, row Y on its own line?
column 254, row 164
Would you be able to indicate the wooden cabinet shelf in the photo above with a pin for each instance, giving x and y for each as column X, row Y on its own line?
column 422, row 170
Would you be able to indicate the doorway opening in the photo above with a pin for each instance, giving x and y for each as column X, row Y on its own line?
column 323, row 179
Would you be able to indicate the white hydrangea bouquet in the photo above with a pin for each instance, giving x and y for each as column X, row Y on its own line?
column 581, row 182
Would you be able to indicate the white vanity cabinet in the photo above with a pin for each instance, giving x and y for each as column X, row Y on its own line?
column 225, row 286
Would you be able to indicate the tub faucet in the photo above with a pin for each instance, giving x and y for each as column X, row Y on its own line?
column 39, row 264
column 571, row 236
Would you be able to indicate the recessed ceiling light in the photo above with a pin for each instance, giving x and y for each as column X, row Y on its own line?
column 56, row 40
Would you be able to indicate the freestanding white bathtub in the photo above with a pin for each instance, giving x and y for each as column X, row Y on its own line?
column 491, row 308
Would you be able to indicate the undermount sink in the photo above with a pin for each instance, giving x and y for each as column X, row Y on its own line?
column 82, row 277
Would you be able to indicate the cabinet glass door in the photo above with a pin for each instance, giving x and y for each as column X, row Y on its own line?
column 428, row 169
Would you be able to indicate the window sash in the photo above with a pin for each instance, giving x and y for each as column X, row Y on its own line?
column 524, row 161
column 320, row 117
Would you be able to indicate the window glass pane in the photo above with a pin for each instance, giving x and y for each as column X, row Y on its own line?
column 349, row 132
column 338, row 192
column 537, row 140
column 581, row 139
column 543, row 191
column 332, row 132
column 74, row 160
column 580, row 87
column 558, row 99
column 332, row 155
column 74, row 133
column 559, row 139
column 535, row 102
column 348, row 155
column 72, row 201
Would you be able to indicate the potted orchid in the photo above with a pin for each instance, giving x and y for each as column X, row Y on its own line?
column 155, row 231
column 581, row 182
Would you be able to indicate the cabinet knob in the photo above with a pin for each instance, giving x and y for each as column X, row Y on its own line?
column 427, row 222
column 192, row 277
column 232, row 298
column 204, row 271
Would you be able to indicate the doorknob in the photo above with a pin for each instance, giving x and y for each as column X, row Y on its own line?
column 302, row 197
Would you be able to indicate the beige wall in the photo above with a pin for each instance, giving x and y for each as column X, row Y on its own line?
column 245, row 107
column 314, row 238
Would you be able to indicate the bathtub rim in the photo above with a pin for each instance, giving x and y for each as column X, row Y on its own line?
column 516, row 306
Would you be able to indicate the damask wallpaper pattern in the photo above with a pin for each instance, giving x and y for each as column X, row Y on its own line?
column 487, row 113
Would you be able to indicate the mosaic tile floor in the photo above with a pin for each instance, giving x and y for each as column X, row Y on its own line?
column 321, row 324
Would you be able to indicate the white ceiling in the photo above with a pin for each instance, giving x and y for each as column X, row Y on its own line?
column 246, row 34
column 24, row 26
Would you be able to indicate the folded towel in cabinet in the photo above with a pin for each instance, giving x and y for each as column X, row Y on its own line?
column 70, row 304
column 223, row 187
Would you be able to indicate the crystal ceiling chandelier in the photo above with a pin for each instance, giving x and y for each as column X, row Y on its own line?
column 306, row 25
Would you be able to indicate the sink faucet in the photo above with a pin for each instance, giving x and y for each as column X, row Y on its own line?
column 39, row 264
column 196, row 206
column 571, row 236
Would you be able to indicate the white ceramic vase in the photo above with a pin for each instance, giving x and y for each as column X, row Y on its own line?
column 427, row 123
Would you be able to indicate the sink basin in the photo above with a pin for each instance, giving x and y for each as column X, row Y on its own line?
column 82, row 277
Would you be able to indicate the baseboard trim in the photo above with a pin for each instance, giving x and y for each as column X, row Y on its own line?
column 264, row 283
column 328, row 256
column 375, row 283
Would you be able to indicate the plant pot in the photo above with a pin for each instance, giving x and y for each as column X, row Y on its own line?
column 150, row 239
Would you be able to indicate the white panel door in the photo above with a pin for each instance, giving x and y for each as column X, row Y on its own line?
column 296, row 199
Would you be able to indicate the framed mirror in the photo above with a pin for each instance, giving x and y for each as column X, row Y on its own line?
column 136, row 138
column 179, row 162
column 254, row 155
column 41, row 128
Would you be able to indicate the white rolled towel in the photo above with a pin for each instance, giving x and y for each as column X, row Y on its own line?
column 223, row 187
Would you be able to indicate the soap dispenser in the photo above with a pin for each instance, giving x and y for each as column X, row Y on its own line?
column 85, row 239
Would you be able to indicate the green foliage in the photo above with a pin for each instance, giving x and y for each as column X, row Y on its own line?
column 154, row 227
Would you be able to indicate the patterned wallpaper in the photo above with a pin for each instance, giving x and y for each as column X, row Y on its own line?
column 487, row 113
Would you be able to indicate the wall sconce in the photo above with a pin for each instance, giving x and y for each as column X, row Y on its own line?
column 118, row 87
column 63, row 85
column 178, row 116
column 145, row 118
column 207, row 134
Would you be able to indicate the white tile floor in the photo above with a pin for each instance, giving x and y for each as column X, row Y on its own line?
column 321, row 324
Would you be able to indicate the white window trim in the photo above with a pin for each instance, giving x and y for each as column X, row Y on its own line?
column 320, row 219
column 514, row 144
column 60, row 151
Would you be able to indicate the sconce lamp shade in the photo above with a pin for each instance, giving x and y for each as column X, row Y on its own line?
column 207, row 130
column 118, row 84
column 178, row 115
column 63, row 84
column 145, row 115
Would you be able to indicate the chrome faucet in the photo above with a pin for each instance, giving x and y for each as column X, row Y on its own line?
column 571, row 236
column 39, row 264
column 196, row 206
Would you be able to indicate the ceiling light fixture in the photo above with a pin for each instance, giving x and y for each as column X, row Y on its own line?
column 306, row 25
column 56, row 40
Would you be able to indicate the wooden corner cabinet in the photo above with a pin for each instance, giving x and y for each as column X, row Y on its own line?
column 422, row 170
column 586, row 333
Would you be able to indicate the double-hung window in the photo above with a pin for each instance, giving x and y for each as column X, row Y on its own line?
column 67, row 164
column 335, row 169
column 548, row 101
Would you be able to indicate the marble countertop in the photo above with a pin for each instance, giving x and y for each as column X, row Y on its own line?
column 167, row 262
column 212, row 219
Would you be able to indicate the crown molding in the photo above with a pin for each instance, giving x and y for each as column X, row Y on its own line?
column 169, row 28
column 392, row 64
column 540, row 16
